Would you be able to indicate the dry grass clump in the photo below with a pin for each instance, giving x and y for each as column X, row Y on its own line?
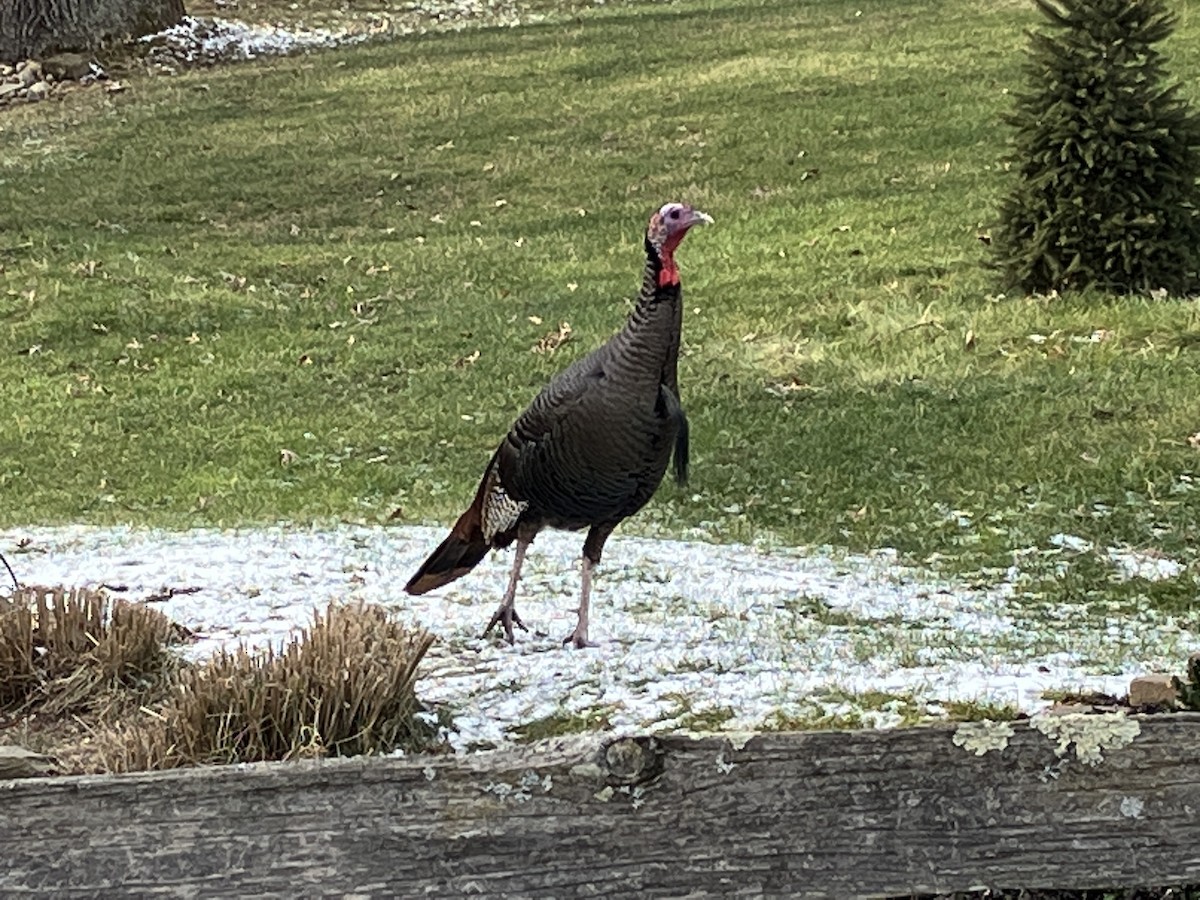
column 344, row 686
column 63, row 651
column 93, row 681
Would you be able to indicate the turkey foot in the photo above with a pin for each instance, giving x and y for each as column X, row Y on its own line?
column 579, row 639
column 507, row 616
column 507, row 613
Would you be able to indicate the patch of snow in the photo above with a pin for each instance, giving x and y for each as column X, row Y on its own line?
column 200, row 40
column 194, row 39
column 747, row 633
column 1138, row 564
column 1071, row 542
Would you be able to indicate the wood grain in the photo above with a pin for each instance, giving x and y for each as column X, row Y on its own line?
column 822, row 814
column 17, row 762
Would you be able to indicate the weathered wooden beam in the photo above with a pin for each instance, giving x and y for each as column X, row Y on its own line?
column 17, row 762
column 1065, row 802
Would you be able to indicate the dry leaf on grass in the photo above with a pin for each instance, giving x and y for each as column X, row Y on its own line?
column 551, row 341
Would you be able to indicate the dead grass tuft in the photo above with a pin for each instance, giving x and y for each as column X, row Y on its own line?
column 63, row 651
column 344, row 686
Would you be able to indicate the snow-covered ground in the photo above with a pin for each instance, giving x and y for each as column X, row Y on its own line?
column 690, row 632
column 204, row 41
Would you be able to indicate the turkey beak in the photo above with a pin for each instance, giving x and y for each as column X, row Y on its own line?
column 695, row 217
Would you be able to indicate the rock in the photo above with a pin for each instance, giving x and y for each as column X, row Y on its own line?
column 1152, row 690
column 67, row 66
column 31, row 73
column 39, row 90
column 5, row 70
column 9, row 91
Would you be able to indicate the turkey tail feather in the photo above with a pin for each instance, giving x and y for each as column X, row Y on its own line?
column 674, row 411
column 458, row 554
column 681, row 451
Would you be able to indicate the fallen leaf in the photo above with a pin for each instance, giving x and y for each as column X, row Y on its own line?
column 790, row 386
column 287, row 457
column 463, row 361
column 553, row 340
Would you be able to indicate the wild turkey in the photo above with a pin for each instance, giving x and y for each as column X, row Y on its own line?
column 592, row 447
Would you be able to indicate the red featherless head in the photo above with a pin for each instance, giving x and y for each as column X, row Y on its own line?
column 668, row 226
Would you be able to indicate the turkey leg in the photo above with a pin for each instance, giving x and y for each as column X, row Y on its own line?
column 592, row 548
column 506, row 615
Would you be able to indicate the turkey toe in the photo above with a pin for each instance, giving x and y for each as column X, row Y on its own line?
column 579, row 641
column 506, row 616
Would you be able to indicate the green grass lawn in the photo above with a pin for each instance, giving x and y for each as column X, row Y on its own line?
column 308, row 288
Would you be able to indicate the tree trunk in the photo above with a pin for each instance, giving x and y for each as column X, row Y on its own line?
column 34, row 28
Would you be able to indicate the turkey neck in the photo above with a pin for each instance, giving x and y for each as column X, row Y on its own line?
column 648, row 346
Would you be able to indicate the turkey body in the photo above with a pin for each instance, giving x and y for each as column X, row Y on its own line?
column 595, row 443
column 592, row 447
